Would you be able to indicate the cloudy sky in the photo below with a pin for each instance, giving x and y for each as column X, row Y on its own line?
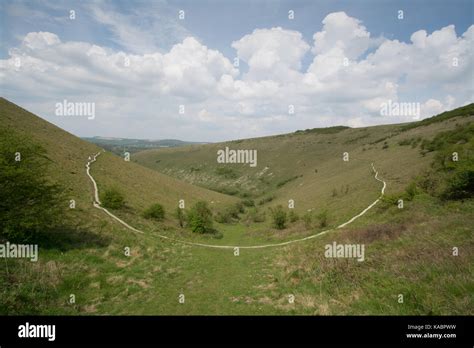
column 238, row 67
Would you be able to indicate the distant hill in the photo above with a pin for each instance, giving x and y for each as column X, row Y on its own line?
column 121, row 145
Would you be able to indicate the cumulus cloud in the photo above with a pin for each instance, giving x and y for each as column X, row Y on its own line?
column 272, row 54
column 341, row 33
column 189, row 69
column 346, row 82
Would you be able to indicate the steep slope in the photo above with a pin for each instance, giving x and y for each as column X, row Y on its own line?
column 68, row 155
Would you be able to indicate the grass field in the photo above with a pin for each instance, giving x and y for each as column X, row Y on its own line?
column 409, row 251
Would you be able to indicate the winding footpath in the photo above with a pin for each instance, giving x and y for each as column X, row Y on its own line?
column 97, row 204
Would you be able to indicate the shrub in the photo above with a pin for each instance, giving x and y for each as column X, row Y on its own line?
column 248, row 202
column 411, row 191
column 461, row 184
column 279, row 217
column 112, row 198
column 292, row 216
column 155, row 211
column 390, row 199
column 200, row 218
column 230, row 213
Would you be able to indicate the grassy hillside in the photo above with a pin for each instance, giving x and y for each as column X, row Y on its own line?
column 308, row 167
column 68, row 156
column 409, row 251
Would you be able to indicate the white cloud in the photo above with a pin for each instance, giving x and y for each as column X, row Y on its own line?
column 137, row 94
column 272, row 53
column 37, row 41
column 344, row 33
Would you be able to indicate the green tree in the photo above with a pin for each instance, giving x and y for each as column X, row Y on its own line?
column 155, row 211
column 200, row 218
column 29, row 203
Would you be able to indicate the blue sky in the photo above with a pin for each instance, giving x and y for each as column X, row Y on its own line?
column 219, row 22
column 189, row 62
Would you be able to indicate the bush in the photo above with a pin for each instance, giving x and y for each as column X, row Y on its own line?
column 411, row 191
column 155, row 211
column 200, row 218
column 29, row 204
column 230, row 213
column 460, row 185
column 292, row 216
column 113, row 199
column 279, row 217
column 390, row 199
column 248, row 202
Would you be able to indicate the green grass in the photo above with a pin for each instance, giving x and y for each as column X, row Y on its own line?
column 408, row 251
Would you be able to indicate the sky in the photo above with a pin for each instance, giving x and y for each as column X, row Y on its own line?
column 229, row 69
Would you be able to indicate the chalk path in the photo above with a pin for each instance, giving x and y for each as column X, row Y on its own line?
column 97, row 204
